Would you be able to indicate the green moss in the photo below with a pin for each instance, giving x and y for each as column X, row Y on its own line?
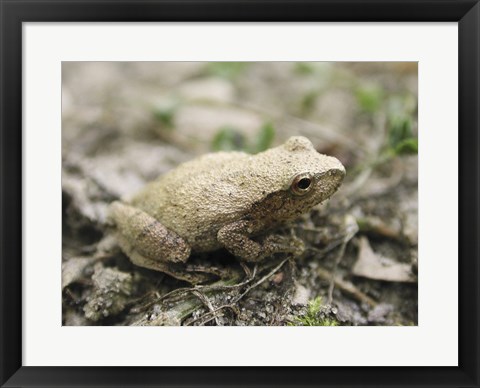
column 313, row 316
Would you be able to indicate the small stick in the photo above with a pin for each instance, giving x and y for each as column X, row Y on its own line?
column 338, row 258
column 347, row 287
column 207, row 303
column 239, row 297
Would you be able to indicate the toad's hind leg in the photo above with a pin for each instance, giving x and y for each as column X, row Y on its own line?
column 144, row 239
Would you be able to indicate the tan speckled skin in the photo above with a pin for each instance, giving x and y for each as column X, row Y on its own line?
column 223, row 199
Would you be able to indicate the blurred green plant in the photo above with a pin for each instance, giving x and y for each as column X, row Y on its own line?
column 165, row 114
column 229, row 138
column 313, row 316
column 303, row 68
column 228, row 70
column 264, row 139
column 401, row 139
column 321, row 77
column 307, row 103
column 400, row 136
column 369, row 98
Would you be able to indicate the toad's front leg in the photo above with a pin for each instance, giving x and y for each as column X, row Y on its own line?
column 236, row 238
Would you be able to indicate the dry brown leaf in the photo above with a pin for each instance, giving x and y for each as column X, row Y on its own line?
column 375, row 266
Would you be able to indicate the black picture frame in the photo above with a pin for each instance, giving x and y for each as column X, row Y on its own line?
column 15, row 12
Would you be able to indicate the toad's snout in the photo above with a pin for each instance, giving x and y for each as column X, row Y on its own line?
column 331, row 180
column 337, row 174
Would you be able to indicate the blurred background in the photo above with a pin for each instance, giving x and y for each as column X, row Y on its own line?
column 125, row 123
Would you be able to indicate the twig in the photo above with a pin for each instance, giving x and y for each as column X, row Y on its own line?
column 347, row 287
column 219, row 286
column 338, row 258
column 207, row 303
column 351, row 228
column 231, row 305
column 272, row 272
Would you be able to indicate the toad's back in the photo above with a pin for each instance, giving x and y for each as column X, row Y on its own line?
column 198, row 197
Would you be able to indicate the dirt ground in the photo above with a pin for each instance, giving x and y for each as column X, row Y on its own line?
column 125, row 123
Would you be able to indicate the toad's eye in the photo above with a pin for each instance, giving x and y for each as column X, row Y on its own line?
column 301, row 184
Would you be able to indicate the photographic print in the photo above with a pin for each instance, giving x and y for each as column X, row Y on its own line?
column 239, row 193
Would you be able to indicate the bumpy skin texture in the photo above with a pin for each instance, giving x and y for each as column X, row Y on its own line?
column 223, row 200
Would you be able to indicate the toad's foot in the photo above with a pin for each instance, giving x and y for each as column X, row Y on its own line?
column 235, row 238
